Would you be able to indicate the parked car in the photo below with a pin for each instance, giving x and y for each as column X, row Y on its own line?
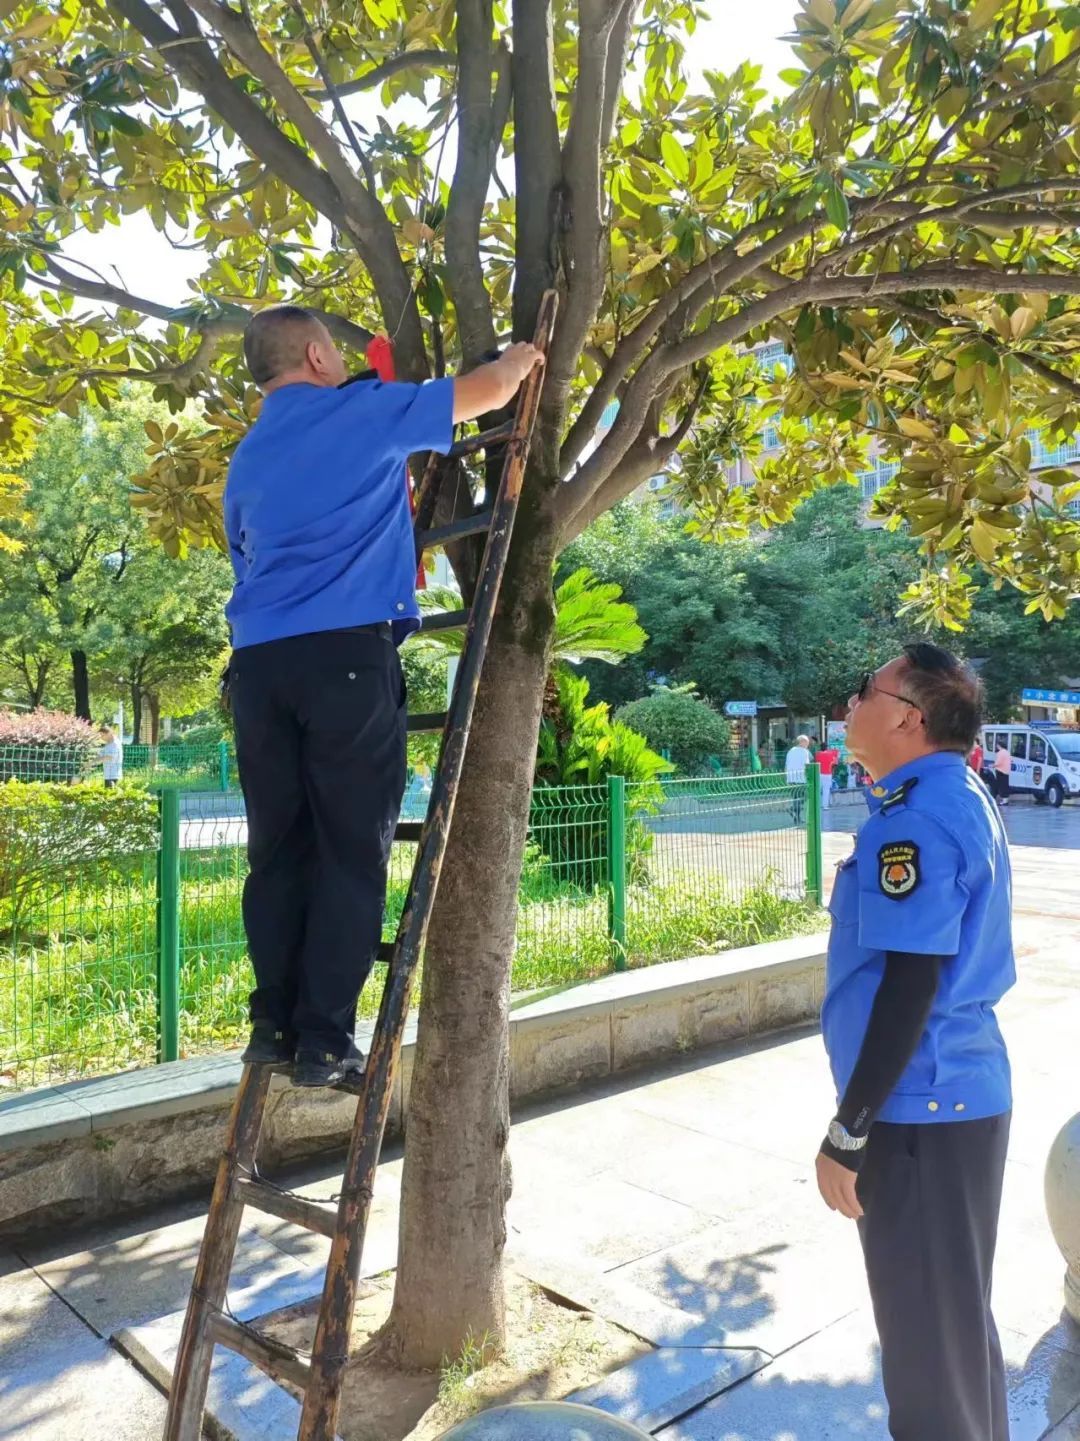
column 1045, row 761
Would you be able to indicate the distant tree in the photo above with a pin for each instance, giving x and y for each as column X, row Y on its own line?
column 681, row 725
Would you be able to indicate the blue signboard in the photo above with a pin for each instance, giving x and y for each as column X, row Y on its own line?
column 1050, row 697
column 740, row 707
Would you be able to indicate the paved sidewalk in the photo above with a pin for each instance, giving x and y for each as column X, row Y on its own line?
column 680, row 1203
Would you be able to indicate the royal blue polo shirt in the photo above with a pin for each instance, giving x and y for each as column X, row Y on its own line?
column 316, row 510
column 930, row 874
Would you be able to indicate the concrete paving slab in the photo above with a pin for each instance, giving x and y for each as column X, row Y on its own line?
column 829, row 1388
column 139, row 1278
column 609, row 1221
column 85, row 1391
column 243, row 1403
column 35, row 1325
column 665, row 1384
column 755, row 1288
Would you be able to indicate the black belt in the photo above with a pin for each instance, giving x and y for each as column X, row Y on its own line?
column 377, row 627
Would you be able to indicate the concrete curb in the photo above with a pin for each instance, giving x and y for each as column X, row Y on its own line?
column 99, row 1148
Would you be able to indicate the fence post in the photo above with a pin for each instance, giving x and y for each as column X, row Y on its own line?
column 223, row 764
column 168, row 926
column 815, row 873
column 616, row 837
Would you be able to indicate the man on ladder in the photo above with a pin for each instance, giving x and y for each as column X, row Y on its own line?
column 321, row 540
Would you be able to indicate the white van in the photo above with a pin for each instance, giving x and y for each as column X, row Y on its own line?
column 1045, row 761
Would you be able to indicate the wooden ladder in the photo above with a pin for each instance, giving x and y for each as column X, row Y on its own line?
column 208, row 1321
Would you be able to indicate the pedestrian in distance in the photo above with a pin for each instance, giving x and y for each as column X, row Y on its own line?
column 320, row 534
column 112, row 757
column 920, row 954
column 1002, row 772
column 795, row 763
column 976, row 758
column 827, row 758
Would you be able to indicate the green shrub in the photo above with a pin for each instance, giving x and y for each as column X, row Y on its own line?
column 53, row 836
column 688, row 729
column 44, row 745
column 580, row 745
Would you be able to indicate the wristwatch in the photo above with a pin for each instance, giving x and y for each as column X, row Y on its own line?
column 842, row 1139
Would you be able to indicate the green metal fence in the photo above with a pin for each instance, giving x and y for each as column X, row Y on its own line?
column 125, row 951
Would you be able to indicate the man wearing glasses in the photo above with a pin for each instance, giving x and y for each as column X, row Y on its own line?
column 919, row 955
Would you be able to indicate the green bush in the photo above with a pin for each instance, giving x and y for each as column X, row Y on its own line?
column 580, row 745
column 689, row 730
column 44, row 745
column 53, row 836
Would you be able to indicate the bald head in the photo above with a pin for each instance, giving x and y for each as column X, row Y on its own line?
column 286, row 345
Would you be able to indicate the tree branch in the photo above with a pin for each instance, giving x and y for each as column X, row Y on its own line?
column 385, row 69
column 943, row 214
column 195, row 63
column 813, row 290
column 719, row 272
column 582, row 169
column 1037, row 367
column 472, row 176
column 645, row 458
column 335, row 99
column 537, row 160
column 347, row 331
column 342, row 198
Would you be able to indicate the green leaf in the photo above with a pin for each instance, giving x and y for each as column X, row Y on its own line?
column 675, row 157
column 836, row 206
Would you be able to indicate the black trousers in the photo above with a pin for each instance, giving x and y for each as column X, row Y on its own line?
column 1002, row 784
column 320, row 742
column 931, row 1196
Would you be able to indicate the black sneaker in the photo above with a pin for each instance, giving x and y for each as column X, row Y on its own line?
column 268, row 1046
column 318, row 1068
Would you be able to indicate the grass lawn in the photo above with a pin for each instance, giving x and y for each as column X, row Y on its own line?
column 78, row 984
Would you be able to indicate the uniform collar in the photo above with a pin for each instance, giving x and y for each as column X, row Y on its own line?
column 916, row 769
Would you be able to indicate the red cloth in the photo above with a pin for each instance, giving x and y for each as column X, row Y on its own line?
column 975, row 759
column 827, row 760
column 380, row 356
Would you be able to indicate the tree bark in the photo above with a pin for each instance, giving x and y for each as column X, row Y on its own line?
column 136, row 715
column 80, row 684
column 154, row 704
column 456, row 1177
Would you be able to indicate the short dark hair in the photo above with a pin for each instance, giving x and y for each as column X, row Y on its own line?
column 275, row 340
column 948, row 693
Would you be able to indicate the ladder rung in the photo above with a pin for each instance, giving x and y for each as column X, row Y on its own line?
column 278, row 1361
column 445, row 620
column 429, row 721
column 477, row 524
column 408, row 830
column 309, row 1214
column 472, row 443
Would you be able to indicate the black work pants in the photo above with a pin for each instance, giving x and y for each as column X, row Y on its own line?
column 931, row 1196
column 320, row 742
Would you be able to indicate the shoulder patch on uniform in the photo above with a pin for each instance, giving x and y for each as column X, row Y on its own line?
column 899, row 795
column 898, row 869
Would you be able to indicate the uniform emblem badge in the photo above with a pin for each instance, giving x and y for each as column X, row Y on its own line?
column 898, row 869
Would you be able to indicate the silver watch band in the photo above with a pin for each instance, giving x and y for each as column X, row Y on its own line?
column 842, row 1139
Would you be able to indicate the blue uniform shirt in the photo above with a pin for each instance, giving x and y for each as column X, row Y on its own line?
column 930, row 874
column 316, row 510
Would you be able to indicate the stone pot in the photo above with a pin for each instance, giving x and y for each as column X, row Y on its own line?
column 1063, row 1207
column 544, row 1421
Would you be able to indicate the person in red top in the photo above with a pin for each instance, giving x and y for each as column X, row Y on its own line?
column 827, row 759
column 975, row 759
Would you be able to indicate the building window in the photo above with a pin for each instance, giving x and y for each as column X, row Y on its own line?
column 877, row 476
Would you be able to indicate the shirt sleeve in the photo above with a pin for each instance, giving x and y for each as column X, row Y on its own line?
column 413, row 418
column 912, row 895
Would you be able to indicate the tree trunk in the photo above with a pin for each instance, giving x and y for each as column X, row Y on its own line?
column 136, row 715
column 80, row 684
column 456, row 1177
column 154, row 703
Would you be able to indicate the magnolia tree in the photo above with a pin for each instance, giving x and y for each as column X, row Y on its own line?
column 904, row 220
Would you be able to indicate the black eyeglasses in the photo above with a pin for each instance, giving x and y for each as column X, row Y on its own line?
column 867, row 684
